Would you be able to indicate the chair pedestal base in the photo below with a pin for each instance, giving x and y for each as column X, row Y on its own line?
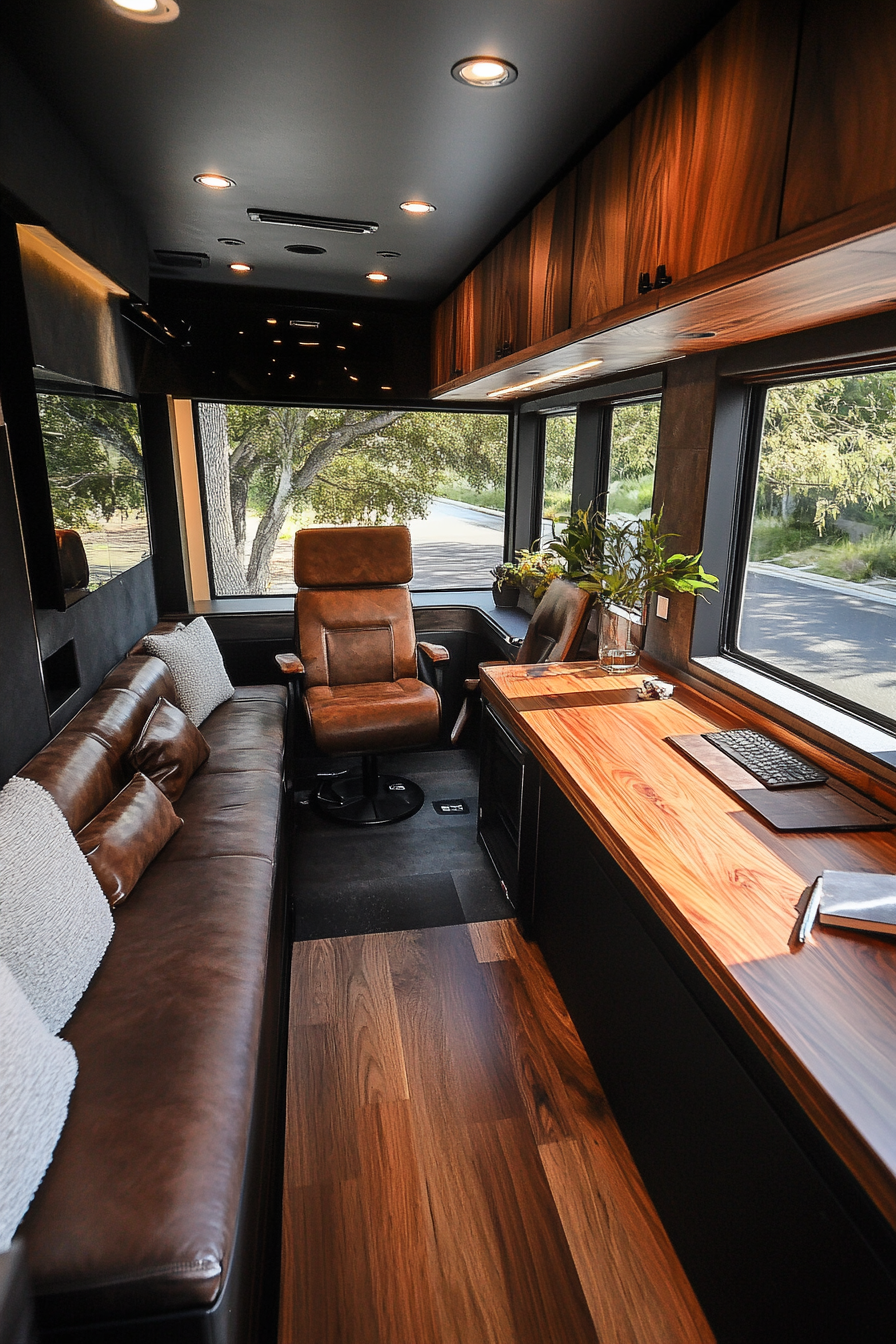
column 366, row 798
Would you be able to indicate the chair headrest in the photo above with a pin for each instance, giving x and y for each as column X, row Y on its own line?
column 352, row 557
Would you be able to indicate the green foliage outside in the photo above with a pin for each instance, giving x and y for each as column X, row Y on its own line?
column 94, row 459
column 826, row 489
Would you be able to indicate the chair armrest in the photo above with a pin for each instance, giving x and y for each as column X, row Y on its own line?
column 436, row 653
column 471, row 684
column 289, row 663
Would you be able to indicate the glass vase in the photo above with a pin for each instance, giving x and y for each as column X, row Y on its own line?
column 620, row 638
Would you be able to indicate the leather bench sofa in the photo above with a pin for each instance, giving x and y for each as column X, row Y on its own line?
column 158, row 1218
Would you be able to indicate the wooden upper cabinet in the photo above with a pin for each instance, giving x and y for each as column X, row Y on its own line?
column 843, row 141
column 602, row 196
column 465, row 323
column 709, row 146
column 502, row 296
column 443, row 364
column 550, row 262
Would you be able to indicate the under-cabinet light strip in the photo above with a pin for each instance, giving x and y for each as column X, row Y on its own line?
column 546, row 378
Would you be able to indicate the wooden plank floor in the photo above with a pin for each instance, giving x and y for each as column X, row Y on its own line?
column 453, row 1172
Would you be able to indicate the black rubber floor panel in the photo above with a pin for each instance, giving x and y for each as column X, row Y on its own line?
column 426, row 872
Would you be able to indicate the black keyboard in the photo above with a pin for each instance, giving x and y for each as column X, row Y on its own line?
column 773, row 765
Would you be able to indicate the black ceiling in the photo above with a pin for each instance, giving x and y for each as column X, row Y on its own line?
column 342, row 108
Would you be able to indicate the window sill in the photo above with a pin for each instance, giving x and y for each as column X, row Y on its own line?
column 846, row 731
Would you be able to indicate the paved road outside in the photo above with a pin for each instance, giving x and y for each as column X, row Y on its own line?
column 839, row 640
column 454, row 547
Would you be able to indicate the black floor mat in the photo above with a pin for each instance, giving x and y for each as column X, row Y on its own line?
column 421, row 873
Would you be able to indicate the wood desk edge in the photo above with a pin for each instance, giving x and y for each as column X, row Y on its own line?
column 873, row 1173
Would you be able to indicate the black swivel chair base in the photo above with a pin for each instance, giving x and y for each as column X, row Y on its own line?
column 366, row 798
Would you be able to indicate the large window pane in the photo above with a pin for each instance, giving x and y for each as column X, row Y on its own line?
column 269, row 470
column 95, row 464
column 633, row 439
column 819, row 599
column 559, row 451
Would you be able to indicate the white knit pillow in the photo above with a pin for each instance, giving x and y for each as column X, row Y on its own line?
column 55, row 922
column 37, row 1074
column 194, row 661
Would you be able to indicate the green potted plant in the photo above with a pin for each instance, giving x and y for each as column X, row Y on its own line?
column 506, row 586
column 622, row 563
column 537, row 570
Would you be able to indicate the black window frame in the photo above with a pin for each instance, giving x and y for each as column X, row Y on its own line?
column 755, row 392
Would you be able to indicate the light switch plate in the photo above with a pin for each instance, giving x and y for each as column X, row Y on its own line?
column 662, row 606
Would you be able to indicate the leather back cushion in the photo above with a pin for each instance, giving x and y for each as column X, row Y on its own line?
column 352, row 557
column 122, row 841
column 86, row 763
column 169, row 750
column 351, row 636
column 555, row 631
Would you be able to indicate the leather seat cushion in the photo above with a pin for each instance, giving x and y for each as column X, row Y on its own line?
column 138, row 1211
column 373, row 716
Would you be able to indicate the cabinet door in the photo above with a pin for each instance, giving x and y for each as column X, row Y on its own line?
column 443, row 337
column 465, row 321
column 602, row 198
column 550, row 262
column 843, row 142
column 709, row 145
column 502, row 291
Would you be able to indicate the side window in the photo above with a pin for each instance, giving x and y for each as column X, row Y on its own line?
column 818, row 597
column 634, row 432
column 94, row 455
column 268, row 470
column 559, row 451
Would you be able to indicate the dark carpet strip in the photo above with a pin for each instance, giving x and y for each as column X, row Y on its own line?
column 423, row 873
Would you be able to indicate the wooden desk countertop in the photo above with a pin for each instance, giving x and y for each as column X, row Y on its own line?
column 725, row 884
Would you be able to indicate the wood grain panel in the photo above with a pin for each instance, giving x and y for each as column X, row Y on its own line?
column 465, row 319
column 709, row 144
column 630, row 1274
column 367, row 1020
column 543, row 1287
column 550, row 262
column 491, row 941
column 726, row 887
column 602, row 197
column 456, row 1226
column 502, row 296
column 843, row 141
column 443, row 340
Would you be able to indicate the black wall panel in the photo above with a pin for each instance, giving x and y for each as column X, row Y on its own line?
column 103, row 626
column 24, row 722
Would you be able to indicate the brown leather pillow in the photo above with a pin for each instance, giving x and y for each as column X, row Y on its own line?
column 123, row 839
column 169, row 750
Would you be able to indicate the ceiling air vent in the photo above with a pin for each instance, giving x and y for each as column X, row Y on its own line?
column 312, row 221
column 189, row 260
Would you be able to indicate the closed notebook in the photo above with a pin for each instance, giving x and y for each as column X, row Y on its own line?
column 859, row 901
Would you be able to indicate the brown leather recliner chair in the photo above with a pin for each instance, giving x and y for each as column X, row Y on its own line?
column 358, row 653
column 554, row 635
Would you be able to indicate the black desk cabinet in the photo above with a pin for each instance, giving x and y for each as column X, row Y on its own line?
column 777, row 1239
column 509, row 781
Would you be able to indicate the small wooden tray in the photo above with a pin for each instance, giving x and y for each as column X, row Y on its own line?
column 827, row 807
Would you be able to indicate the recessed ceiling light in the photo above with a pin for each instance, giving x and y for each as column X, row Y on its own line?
column 340, row 347
column 309, row 344
column 417, row 208
column 484, row 72
column 146, row 11
column 356, row 324
column 215, row 180
column 305, row 249
column 352, row 378
column 241, row 267
column 388, row 255
column 232, row 242
column 378, row 277
column 277, row 341
column 385, row 389
column 272, row 321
